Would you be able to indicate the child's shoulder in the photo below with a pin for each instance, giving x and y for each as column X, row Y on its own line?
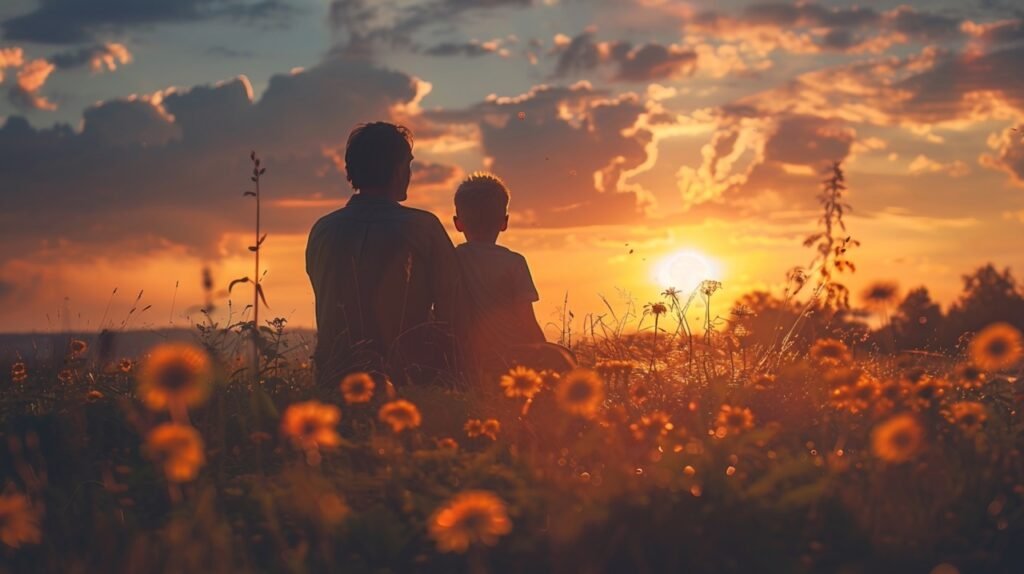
column 491, row 251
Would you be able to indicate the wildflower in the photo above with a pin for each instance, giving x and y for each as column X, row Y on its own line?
column 651, row 426
column 125, row 365
column 968, row 415
column 490, row 428
column 447, row 443
column 763, row 382
column 311, row 424
column 357, row 388
column 521, row 382
column 858, row 397
column 830, row 352
column 19, row 520
column 474, row 428
column 78, row 347
column 970, row 376
column 66, row 376
column 18, row 372
column 997, row 347
column 549, row 378
column 93, row 396
column 656, row 309
column 891, row 394
column 734, row 419
column 471, row 517
column 928, row 390
column 401, row 415
column 179, row 448
column 175, row 374
column 580, row 392
column 881, row 294
column 897, row 439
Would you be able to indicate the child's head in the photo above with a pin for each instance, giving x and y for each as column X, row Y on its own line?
column 481, row 207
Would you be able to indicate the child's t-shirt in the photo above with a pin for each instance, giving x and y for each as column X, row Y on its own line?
column 498, row 291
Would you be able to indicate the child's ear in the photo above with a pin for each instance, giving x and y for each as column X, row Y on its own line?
column 458, row 224
column 504, row 226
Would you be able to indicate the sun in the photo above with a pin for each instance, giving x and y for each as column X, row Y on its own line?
column 685, row 269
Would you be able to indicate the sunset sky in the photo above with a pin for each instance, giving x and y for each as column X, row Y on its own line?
column 627, row 130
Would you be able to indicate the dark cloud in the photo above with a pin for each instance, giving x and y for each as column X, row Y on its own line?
column 98, row 57
column 550, row 161
column 78, row 21
column 470, row 49
column 643, row 63
column 169, row 169
column 429, row 173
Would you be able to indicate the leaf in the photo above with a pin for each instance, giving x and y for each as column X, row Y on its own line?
column 263, row 170
column 253, row 178
column 233, row 283
column 260, row 242
column 252, row 193
column 254, row 248
column 259, row 291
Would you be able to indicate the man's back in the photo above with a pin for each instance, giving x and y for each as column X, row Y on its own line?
column 378, row 269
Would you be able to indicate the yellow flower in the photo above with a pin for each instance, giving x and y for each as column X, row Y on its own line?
column 735, row 419
column 928, row 390
column 401, row 415
column 858, row 397
column 490, row 428
column 549, row 378
column 580, row 392
column 651, row 426
column 78, row 347
column 830, row 352
column 968, row 415
column 125, row 365
column 311, row 424
column 18, row 372
column 997, row 347
column 891, row 394
column 357, row 388
column 19, row 520
column 474, row 428
column 471, row 517
column 969, row 376
column 897, row 439
column 179, row 448
column 175, row 374
column 521, row 382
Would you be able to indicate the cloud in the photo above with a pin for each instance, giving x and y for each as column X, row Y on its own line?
column 470, row 49
column 1008, row 154
column 100, row 57
column 923, row 164
column 563, row 152
column 75, row 21
column 30, row 78
column 12, row 57
column 644, row 63
column 168, row 169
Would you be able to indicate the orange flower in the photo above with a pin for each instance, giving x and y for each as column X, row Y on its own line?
column 968, row 415
column 471, row 517
column 311, row 424
column 490, row 428
column 734, row 419
column 830, row 352
column 997, row 347
column 401, row 415
column 969, row 376
column 521, row 382
column 357, row 388
column 549, row 378
column 651, row 426
column 177, row 374
column 18, row 372
column 125, row 365
column 78, row 347
column 179, row 448
column 897, row 439
column 19, row 520
column 580, row 392
column 474, row 428
column 447, row 443
column 927, row 391
column 858, row 397
column 66, row 376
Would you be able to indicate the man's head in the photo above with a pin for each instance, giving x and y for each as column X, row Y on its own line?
column 481, row 207
column 378, row 158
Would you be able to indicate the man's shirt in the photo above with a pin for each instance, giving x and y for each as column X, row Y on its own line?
column 378, row 269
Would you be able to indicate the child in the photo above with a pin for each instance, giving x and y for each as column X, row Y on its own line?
column 499, row 327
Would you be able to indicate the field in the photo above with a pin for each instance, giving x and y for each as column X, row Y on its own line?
column 652, row 458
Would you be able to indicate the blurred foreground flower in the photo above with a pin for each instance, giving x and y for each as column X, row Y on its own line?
column 357, row 388
column 125, row 365
column 19, row 520
column 311, row 425
column 471, row 517
column 897, row 439
column 580, row 392
column 179, row 448
column 175, row 375
column 18, row 372
column 521, row 382
column 733, row 420
column 401, row 415
column 997, row 347
column 968, row 415
column 78, row 347
column 830, row 352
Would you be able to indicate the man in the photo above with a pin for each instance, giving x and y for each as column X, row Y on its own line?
column 384, row 276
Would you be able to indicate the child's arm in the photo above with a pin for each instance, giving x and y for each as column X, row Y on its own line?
column 531, row 327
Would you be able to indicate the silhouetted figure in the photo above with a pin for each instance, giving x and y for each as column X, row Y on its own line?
column 497, row 326
column 384, row 276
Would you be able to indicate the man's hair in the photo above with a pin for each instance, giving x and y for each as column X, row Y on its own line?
column 374, row 152
column 481, row 202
